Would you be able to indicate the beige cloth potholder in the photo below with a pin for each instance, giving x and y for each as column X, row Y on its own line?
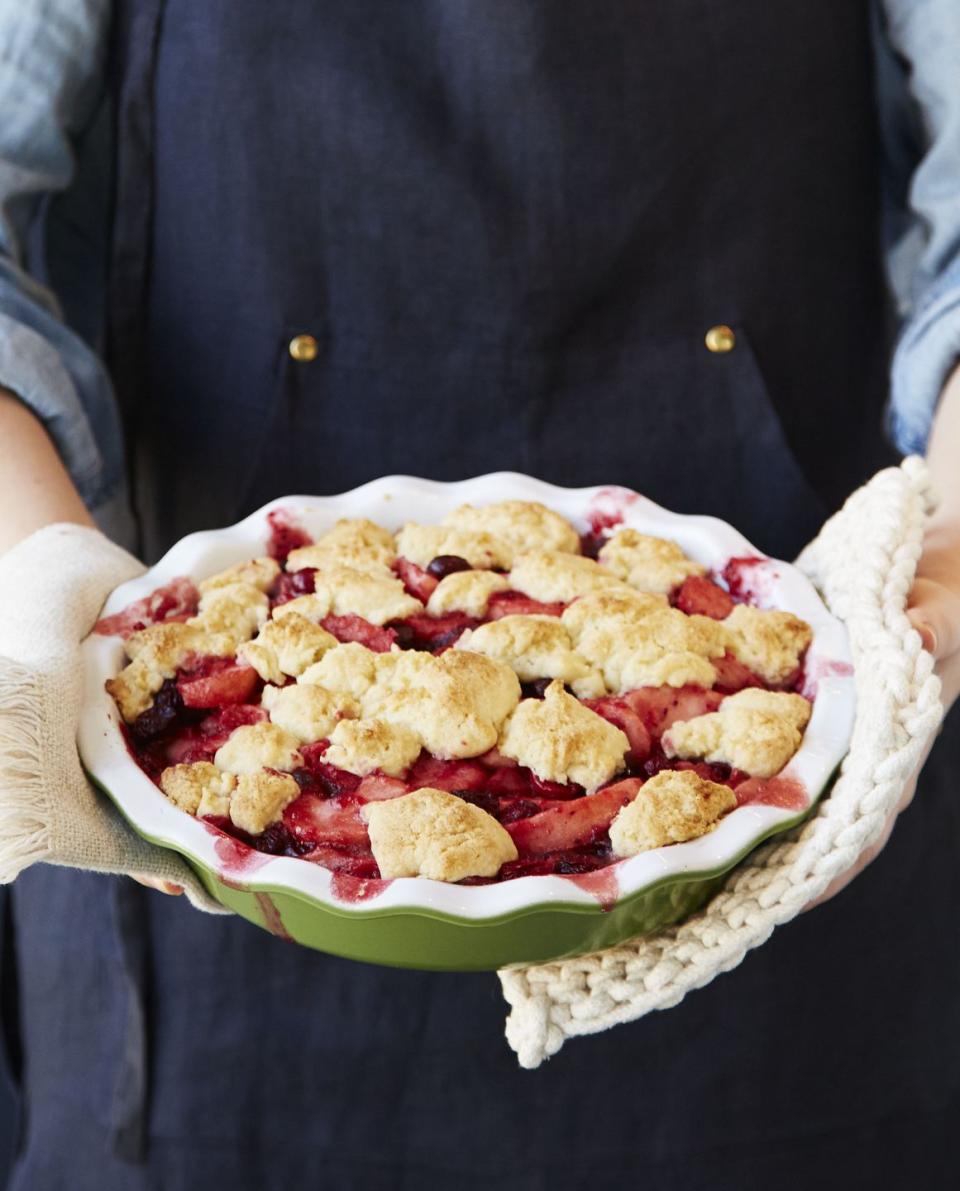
column 863, row 562
column 52, row 587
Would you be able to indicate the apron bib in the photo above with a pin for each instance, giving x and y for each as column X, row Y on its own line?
column 508, row 228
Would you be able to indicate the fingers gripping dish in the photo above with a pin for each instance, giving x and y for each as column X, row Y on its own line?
column 470, row 701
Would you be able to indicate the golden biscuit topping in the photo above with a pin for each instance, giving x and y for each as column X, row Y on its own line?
column 648, row 563
column 376, row 597
column 673, row 806
column 199, row 788
column 157, row 653
column 523, row 524
column 535, row 647
column 357, row 543
column 768, row 641
column 258, row 746
column 260, row 799
column 551, row 576
column 563, row 741
column 454, row 703
column 307, row 712
column 236, row 610
column 430, row 833
column 257, row 572
column 423, row 543
column 287, row 646
column 665, row 647
column 615, row 607
column 466, row 591
column 349, row 670
column 756, row 731
column 368, row 745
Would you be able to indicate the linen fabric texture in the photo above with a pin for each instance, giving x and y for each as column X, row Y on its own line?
column 52, row 587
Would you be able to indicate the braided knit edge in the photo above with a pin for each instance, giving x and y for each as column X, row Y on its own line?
column 864, row 562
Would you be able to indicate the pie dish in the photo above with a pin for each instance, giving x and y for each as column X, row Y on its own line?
column 465, row 725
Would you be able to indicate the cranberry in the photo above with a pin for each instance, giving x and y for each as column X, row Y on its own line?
column 481, row 798
column 166, row 714
column 447, row 564
column 436, row 633
column 406, row 637
column 591, row 544
column 276, row 840
column 519, row 808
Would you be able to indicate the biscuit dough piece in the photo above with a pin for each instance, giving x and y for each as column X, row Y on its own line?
column 423, row 543
column 454, row 703
column 157, row 652
column 286, row 646
column 199, row 788
column 535, row 647
column 363, row 746
column 648, row 563
column 620, row 606
column 665, row 647
column 352, row 542
column 769, row 641
column 673, row 806
column 313, row 607
column 260, row 799
column 563, row 741
column 236, row 610
column 523, row 524
column 376, row 597
column 466, row 591
column 258, row 746
column 349, row 669
column 552, row 576
column 754, row 730
column 258, row 572
column 430, row 833
column 307, row 712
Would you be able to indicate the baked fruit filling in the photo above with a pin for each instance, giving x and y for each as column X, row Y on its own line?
column 487, row 698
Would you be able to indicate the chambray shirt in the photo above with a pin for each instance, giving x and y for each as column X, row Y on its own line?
column 54, row 179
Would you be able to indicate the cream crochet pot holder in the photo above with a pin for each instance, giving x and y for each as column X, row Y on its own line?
column 863, row 563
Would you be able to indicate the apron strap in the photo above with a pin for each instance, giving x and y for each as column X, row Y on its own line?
column 11, row 1043
column 131, row 1094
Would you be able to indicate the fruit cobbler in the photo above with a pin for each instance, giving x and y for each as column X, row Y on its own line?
column 491, row 697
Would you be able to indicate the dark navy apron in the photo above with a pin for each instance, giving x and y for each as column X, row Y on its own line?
column 507, row 229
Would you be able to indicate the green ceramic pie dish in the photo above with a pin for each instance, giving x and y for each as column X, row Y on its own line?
column 419, row 923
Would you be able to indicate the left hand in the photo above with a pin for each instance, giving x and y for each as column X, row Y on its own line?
column 934, row 609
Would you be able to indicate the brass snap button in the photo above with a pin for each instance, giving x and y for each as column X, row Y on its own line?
column 303, row 348
column 720, row 339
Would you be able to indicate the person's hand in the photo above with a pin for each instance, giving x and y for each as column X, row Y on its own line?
column 934, row 610
column 161, row 886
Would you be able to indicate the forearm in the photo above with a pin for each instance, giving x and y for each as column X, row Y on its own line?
column 35, row 489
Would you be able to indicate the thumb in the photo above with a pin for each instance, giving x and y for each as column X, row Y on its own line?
column 935, row 613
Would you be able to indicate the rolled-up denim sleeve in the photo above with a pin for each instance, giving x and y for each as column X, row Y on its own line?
column 51, row 79
column 922, row 136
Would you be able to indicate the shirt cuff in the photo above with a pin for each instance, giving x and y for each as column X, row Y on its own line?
column 926, row 354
